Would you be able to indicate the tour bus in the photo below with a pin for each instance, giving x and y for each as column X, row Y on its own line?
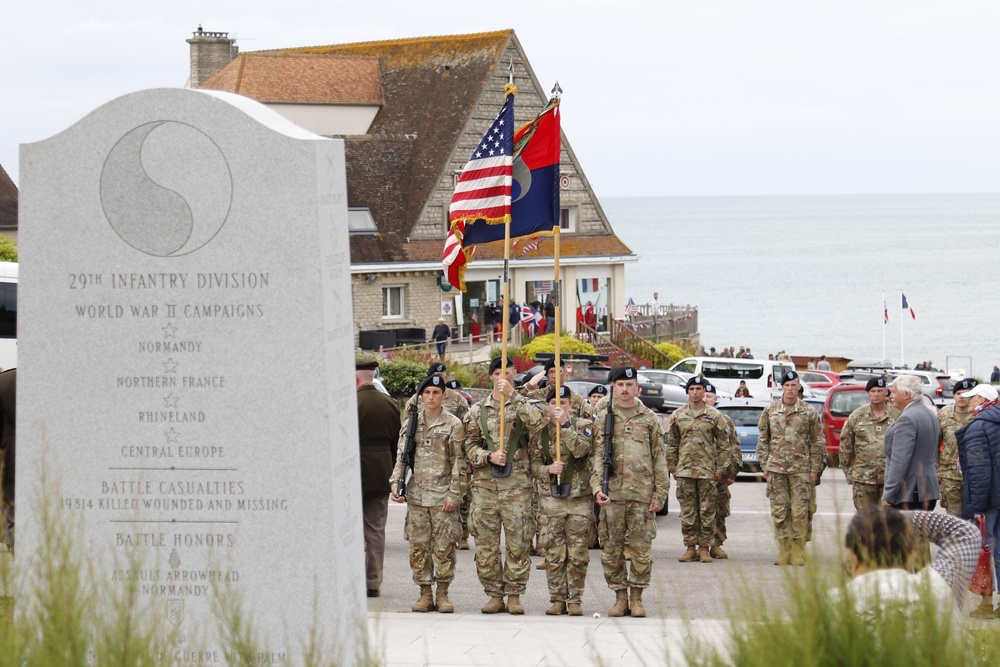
column 8, row 315
column 763, row 376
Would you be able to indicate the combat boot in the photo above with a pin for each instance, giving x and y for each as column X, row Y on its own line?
column 463, row 544
column 558, row 608
column 442, row 602
column 494, row 606
column 514, row 605
column 574, row 609
column 717, row 552
column 541, row 565
column 689, row 555
column 783, row 553
column 620, row 607
column 627, row 553
column 635, row 603
column 704, row 555
column 426, row 601
column 797, row 555
column 984, row 610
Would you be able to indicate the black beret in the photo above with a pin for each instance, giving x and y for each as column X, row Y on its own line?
column 965, row 384
column 789, row 376
column 696, row 381
column 432, row 381
column 453, row 384
column 550, row 364
column 495, row 365
column 564, row 392
column 709, row 388
column 875, row 382
column 599, row 389
column 436, row 367
column 362, row 364
column 622, row 373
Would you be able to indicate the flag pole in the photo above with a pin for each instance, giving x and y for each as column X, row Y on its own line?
column 557, row 293
column 504, row 471
column 902, row 357
column 885, row 323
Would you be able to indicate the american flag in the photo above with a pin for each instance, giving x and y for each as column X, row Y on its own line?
column 483, row 188
column 631, row 308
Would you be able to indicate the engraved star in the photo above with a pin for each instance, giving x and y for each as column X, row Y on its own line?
column 171, row 435
column 170, row 401
column 169, row 366
column 170, row 331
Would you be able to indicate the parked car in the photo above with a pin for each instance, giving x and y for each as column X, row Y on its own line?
column 939, row 387
column 674, row 395
column 819, row 379
column 745, row 413
column 583, row 387
column 650, row 393
column 762, row 376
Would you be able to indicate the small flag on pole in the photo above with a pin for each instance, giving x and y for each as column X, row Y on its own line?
column 906, row 306
column 631, row 308
column 885, row 311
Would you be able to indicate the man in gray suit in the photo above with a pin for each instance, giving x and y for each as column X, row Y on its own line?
column 910, row 449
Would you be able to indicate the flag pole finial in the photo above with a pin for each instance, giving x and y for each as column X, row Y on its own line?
column 510, row 71
column 556, row 91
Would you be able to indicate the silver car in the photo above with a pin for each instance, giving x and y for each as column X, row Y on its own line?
column 674, row 395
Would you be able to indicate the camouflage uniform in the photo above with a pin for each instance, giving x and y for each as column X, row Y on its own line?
column 722, row 486
column 502, row 502
column 639, row 478
column 789, row 448
column 862, row 452
column 565, row 524
column 949, row 474
column 698, row 453
column 578, row 405
column 455, row 404
column 437, row 477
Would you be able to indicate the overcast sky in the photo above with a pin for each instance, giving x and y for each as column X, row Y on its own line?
column 662, row 97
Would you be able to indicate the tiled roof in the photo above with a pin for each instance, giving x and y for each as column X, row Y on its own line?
column 570, row 245
column 8, row 201
column 302, row 79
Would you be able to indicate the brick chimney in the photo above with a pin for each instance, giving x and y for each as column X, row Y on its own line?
column 210, row 52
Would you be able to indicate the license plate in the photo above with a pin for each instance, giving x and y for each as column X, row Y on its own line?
column 749, row 456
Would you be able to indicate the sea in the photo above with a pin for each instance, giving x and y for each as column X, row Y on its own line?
column 808, row 274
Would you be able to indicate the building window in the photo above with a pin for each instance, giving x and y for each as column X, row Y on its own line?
column 567, row 219
column 393, row 301
column 360, row 221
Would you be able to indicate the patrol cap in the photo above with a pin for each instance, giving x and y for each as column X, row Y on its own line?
column 965, row 384
column 550, row 364
column 622, row 373
column 985, row 390
column 789, row 376
column 599, row 389
column 564, row 392
column 432, row 381
column 875, row 382
column 363, row 364
column 436, row 367
column 453, row 384
column 696, row 381
column 495, row 365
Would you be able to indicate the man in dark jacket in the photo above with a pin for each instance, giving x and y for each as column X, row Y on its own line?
column 378, row 431
column 979, row 454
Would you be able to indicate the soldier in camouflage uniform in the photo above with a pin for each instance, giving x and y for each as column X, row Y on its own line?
column 502, row 502
column 862, row 445
column 698, row 457
column 952, row 418
column 792, row 455
column 565, row 524
column 637, row 489
column 532, row 390
column 722, row 509
column 432, row 495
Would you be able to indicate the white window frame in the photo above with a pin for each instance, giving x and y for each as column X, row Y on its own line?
column 387, row 302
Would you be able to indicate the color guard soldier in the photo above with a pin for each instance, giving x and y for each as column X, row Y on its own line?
column 432, row 494
column 862, row 444
column 952, row 418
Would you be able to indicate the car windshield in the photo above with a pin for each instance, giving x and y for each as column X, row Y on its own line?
column 843, row 403
column 744, row 416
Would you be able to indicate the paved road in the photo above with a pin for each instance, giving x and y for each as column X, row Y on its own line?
column 679, row 590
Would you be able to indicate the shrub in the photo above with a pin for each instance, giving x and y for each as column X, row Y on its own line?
column 464, row 374
column 402, row 377
column 675, row 352
column 547, row 343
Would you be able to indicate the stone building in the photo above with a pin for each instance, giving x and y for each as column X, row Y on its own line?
column 410, row 112
column 8, row 205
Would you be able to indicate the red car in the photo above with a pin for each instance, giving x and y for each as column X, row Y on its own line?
column 819, row 379
column 841, row 401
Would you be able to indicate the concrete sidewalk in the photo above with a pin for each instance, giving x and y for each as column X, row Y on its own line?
column 408, row 640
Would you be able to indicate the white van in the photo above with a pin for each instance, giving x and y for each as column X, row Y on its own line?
column 8, row 315
column 763, row 376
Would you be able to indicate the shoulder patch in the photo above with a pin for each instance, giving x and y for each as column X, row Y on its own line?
column 587, row 431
